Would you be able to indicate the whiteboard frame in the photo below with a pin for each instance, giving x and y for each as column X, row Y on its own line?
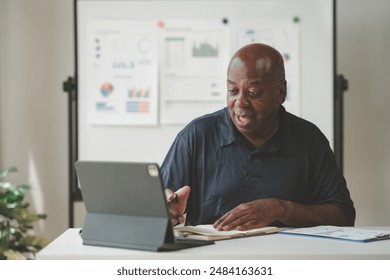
column 317, row 76
column 318, row 72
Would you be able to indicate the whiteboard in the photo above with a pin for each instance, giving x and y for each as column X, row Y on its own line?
column 136, row 136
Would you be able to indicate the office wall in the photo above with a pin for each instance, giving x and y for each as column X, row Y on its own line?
column 36, row 55
column 364, row 58
column 1, row 62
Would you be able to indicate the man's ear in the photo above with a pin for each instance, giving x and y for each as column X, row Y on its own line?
column 282, row 92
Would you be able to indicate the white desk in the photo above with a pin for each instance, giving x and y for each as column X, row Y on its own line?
column 69, row 246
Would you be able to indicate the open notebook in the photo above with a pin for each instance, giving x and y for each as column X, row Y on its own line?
column 208, row 232
column 126, row 207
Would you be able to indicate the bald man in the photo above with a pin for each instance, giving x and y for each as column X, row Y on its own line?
column 253, row 164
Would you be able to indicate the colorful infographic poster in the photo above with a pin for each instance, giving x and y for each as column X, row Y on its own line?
column 194, row 56
column 170, row 71
column 122, row 79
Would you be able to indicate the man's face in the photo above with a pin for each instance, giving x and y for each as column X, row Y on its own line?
column 254, row 96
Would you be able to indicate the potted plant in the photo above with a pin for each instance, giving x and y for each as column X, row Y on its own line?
column 16, row 238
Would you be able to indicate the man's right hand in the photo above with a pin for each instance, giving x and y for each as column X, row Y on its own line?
column 177, row 203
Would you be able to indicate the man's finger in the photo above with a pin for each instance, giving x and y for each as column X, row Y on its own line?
column 168, row 194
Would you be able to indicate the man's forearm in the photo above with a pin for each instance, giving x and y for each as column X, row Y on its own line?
column 299, row 215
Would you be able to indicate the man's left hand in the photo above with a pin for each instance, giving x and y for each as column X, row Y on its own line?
column 253, row 214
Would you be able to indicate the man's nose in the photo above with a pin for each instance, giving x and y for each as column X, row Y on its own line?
column 242, row 99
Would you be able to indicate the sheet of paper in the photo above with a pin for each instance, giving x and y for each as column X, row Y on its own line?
column 349, row 233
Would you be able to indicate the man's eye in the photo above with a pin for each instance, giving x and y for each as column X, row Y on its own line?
column 253, row 93
column 233, row 91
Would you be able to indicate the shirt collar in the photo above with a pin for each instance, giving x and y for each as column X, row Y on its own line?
column 284, row 134
column 226, row 129
column 279, row 143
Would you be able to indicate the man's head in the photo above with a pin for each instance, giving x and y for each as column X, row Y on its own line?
column 256, row 89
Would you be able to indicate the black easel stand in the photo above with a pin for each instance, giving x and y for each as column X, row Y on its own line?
column 69, row 86
column 341, row 85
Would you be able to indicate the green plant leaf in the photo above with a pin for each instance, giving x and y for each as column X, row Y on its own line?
column 24, row 187
column 4, row 237
column 14, row 255
column 4, row 172
column 42, row 216
column 13, row 196
column 5, row 185
column 16, row 222
column 35, row 241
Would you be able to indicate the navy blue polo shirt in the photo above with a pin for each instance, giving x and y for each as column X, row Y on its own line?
column 224, row 170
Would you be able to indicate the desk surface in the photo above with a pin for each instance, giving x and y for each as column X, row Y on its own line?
column 271, row 247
